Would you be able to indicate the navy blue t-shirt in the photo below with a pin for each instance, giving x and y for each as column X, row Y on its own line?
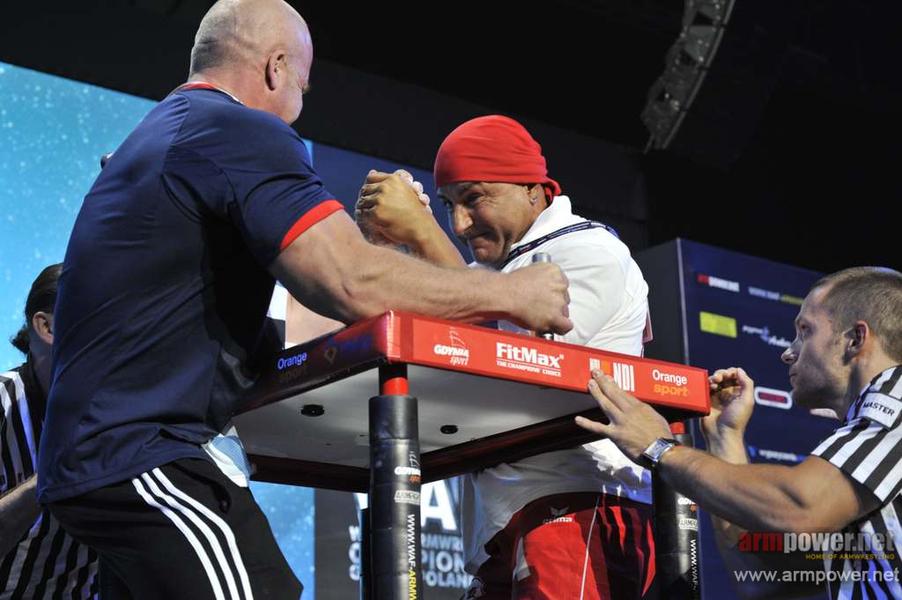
column 164, row 288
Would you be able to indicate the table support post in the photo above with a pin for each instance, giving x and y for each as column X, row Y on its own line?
column 677, row 551
column 394, row 489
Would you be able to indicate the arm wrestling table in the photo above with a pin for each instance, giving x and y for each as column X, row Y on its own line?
column 485, row 397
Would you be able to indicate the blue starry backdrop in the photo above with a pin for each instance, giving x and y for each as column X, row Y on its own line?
column 52, row 134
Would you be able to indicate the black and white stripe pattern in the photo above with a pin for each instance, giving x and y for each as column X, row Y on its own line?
column 871, row 453
column 17, row 447
column 210, row 536
column 47, row 562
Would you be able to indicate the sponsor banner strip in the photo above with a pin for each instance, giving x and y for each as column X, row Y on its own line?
column 397, row 337
column 516, row 357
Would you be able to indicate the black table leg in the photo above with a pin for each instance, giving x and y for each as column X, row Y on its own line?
column 395, row 491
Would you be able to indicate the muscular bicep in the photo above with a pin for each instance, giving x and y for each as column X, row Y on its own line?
column 833, row 497
column 315, row 268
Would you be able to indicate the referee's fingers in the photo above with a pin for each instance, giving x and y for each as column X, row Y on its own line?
column 609, row 408
column 593, row 426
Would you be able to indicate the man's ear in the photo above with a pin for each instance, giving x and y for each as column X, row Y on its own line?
column 42, row 324
column 858, row 335
column 536, row 193
column 275, row 65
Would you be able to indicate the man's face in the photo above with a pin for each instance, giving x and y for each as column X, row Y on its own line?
column 491, row 217
column 296, row 82
column 817, row 372
column 299, row 69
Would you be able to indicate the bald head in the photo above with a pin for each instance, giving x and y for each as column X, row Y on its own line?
column 259, row 50
column 235, row 32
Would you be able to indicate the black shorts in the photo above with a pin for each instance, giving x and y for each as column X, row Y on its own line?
column 183, row 530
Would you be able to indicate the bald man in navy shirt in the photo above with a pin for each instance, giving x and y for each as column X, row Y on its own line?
column 162, row 302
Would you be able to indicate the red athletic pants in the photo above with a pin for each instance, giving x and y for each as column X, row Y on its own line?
column 583, row 546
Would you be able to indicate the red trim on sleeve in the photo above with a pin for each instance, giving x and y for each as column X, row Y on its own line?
column 309, row 219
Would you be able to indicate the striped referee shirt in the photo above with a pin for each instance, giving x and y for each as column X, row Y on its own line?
column 47, row 562
column 868, row 448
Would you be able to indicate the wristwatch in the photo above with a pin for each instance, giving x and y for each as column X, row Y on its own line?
column 656, row 450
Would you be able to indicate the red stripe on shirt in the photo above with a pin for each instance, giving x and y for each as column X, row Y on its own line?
column 197, row 85
column 309, row 219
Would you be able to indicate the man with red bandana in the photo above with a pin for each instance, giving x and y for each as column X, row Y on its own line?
column 568, row 524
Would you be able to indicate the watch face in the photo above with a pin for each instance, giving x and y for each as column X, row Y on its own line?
column 656, row 449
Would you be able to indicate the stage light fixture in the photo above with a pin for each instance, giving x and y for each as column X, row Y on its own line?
column 686, row 64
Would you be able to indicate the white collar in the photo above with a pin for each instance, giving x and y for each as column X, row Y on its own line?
column 558, row 214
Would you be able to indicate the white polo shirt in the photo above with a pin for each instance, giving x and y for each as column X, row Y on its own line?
column 608, row 307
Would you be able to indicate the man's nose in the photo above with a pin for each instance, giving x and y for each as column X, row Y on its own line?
column 460, row 220
column 789, row 355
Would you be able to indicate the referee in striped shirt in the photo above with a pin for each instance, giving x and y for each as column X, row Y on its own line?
column 846, row 357
column 37, row 558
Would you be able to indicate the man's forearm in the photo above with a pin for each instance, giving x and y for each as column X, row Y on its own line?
column 334, row 272
column 437, row 248
column 19, row 509
column 730, row 448
column 736, row 491
column 753, row 497
column 393, row 280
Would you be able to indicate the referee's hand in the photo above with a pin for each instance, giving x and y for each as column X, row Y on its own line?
column 632, row 424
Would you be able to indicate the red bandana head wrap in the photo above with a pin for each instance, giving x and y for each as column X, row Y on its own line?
column 492, row 149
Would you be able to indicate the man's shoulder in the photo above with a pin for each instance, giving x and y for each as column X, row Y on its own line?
column 239, row 139
column 881, row 401
column 224, row 116
column 593, row 244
